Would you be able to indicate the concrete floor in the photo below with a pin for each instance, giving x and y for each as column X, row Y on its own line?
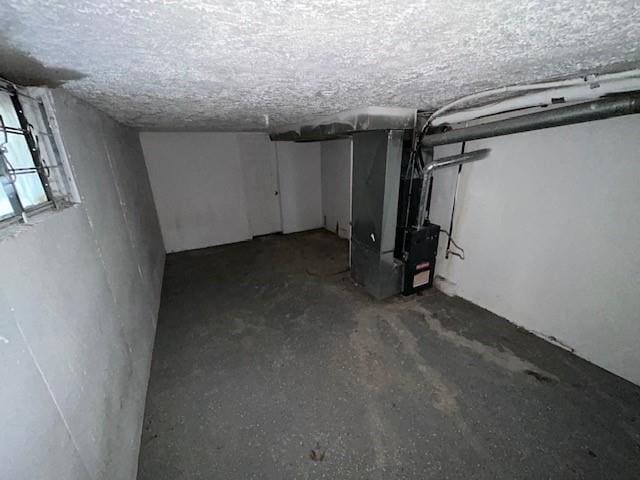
column 269, row 363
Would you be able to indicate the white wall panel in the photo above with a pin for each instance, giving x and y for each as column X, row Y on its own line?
column 336, row 186
column 299, row 173
column 198, row 185
column 551, row 228
column 79, row 297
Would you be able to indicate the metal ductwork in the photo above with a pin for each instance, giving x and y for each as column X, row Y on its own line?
column 393, row 243
column 458, row 159
column 393, row 246
column 377, row 159
column 584, row 112
column 441, row 163
column 345, row 124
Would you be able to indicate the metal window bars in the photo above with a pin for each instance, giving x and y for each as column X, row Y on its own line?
column 9, row 173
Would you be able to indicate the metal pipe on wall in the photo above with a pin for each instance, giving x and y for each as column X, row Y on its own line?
column 427, row 153
column 583, row 112
column 443, row 162
column 459, row 159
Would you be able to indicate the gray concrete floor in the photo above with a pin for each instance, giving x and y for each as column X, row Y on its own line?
column 269, row 363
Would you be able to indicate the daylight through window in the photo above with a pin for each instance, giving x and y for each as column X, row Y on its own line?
column 32, row 176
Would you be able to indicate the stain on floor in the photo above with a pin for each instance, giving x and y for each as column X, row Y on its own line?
column 270, row 364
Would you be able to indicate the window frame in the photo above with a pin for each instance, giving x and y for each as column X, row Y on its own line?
column 40, row 131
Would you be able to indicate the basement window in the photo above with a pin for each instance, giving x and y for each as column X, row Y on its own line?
column 33, row 173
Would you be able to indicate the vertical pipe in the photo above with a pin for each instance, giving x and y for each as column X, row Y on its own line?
column 424, row 191
column 453, row 206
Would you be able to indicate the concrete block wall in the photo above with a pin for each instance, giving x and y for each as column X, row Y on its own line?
column 79, row 297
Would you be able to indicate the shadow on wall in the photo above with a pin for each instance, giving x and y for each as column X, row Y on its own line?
column 339, row 230
column 23, row 69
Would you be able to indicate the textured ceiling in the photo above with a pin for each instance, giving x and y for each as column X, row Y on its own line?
column 227, row 65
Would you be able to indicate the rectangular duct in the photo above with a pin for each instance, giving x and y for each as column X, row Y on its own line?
column 377, row 158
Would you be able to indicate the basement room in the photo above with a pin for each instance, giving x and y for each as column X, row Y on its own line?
column 313, row 239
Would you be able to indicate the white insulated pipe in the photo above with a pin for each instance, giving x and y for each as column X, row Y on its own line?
column 571, row 90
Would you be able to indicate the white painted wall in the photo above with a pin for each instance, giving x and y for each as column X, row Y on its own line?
column 198, row 186
column 299, row 174
column 79, row 297
column 212, row 188
column 550, row 223
column 336, row 185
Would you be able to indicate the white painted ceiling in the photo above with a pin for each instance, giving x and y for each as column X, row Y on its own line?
column 225, row 65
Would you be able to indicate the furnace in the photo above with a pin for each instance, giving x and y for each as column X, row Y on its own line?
column 393, row 243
